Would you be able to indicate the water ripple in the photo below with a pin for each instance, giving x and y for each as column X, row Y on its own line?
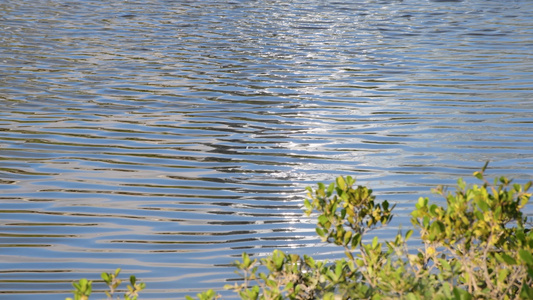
column 166, row 138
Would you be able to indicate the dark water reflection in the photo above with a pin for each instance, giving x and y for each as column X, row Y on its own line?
column 166, row 137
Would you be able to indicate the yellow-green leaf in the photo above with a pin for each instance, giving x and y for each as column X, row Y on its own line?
column 526, row 256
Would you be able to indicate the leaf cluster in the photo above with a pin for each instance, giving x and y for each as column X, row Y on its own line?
column 477, row 246
column 83, row 287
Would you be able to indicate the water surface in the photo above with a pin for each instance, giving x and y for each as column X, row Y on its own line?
column 167, row 137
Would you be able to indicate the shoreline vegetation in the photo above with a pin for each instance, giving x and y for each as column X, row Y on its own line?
column 478, row 246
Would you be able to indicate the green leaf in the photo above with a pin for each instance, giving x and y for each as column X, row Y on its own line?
column 385, row 205
column 331, row 187
column 483, row 205
column 436, row 228
column 307, row 204
column 408, row 234
column 350, row 180
column 461, row 184
column 528, row 185
column 375, row 242
column 329, row 296
column 502, row 275
column 356, row 239
column 526, row 292
column 479, row 215
column 322, row 220
column 412, row 296
column 349, row 255
column 485, row 166
column 433, row 209
column 341, row 183
column 133, row 280
column 504, row 258
column 425, row 222
column 246, row 260
column 359, row 262
column 446, row 266
column 526, row 256
column 421, row 203
column 461, row 294
column 347, row 238
column 83, row 282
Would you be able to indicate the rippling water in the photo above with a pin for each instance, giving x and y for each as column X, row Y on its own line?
column 166, row 137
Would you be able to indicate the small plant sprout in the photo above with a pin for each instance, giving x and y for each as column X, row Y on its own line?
column 83, row 287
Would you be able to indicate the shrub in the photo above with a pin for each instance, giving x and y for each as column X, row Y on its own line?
column 83, row 287
column 479, row 246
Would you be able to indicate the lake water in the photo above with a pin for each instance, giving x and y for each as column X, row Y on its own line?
column 167, row 137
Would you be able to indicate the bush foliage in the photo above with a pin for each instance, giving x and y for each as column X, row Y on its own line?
column 83, row 287
column 478, row 246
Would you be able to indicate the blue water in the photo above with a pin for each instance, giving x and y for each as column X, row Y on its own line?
column 167, row 137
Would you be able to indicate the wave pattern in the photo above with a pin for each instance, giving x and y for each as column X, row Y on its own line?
column 166, row 137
